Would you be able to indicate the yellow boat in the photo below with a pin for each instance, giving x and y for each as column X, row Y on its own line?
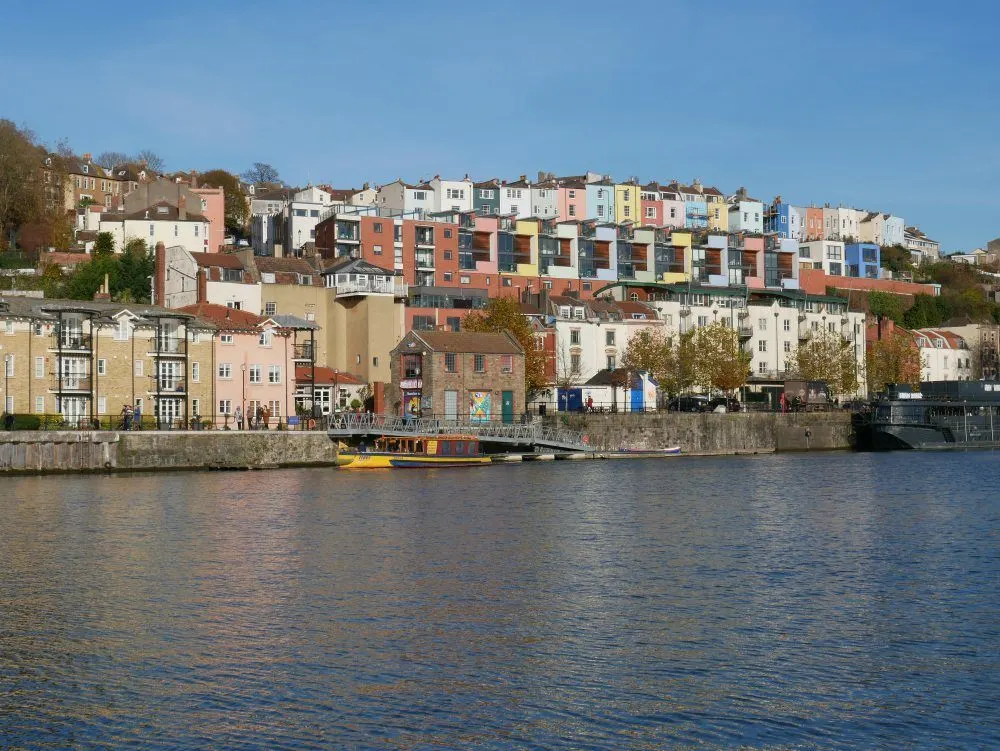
column 416, row 452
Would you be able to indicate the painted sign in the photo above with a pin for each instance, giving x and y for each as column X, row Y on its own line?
column 411, row 403
column 411, row 383
column 479, row 406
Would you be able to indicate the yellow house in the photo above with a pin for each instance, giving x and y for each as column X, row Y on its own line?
column 526, row 246
column 681, row 241
column 628, row 202
column 718, row 210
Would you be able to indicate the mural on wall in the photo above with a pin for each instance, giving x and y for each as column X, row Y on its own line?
column 479, row 406
column 411, row 403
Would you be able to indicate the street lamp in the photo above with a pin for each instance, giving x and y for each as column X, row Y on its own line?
column 243, row 384
column 336, row 391
column 777, row 353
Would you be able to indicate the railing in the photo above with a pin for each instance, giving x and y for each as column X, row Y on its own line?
column 746, row 332
column 523, row 432
column 70, row 382
column 170, row 385
column 302, row 352
column 805, row 334
column 171, row 345
column 378, row 286
column 152, row 422
column 74, row 340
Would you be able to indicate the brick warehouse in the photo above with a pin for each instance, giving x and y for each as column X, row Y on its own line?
column 458, row 376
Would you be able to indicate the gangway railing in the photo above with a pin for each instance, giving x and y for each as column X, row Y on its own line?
column 359, row 424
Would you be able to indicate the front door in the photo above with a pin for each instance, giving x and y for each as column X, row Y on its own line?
column 507, row 406
column 450, row 405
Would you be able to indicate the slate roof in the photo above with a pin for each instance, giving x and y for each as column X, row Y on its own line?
column 469, row 341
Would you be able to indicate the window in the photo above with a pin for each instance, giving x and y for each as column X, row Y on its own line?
column 600, row 210
column 270, row 308
column 447, row 276
column 39, row 404
column 196, row 371
column 138, row 368
column 609, row 338
column 226, row 338
column 454, row 324
column 152, row 230
column 40, row 367
column 450, row 362
column 419, row 195
column 464, row 280
column 375, row 362
column 762, row 367
column 627, row 210
column 225, row 371
column 255, row 374
column 274, row 406
column 102, row 367
column 650, row 212
column 762, row 324
column 225, row 407
column 762, row 345
column 267, row 277
column 611, row 362
column 264, row 340
column 314, row 212
column 196, row 230
column 572, row 209
column 480, row 363
column 175, row 230
column 574, row 337
column 786, row 325
column 574, row 364
column 578, row 313
column 274, row 374
column 377, row 250
column 702, row 321
column 8, row 327
column 788, row 346
column 507, row 363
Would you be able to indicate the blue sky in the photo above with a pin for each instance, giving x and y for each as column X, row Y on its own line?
column 881, row 105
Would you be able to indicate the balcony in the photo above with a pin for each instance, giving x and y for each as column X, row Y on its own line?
column 425, row 236
column 165, row 385
column 347, row 231
column 380, row 285
column 805, row 333
column 424, row 261
column 302, row 352
column 169, row 345
column 70, row 383
column 746, row 332
column 74, row 341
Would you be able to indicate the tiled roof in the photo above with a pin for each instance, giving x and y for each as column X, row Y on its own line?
column 218, row 260
column 271, row 265
column 153, row 214
column 470, row 341
column 225, row 318
column 325, row 376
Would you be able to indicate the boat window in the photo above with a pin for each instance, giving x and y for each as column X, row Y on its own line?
column 446, row 448
column 459, row 447
column 419, row 447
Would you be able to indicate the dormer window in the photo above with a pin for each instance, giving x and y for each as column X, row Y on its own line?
column 564, row 311
column 578, row 313
column 161, row 209
column 85, row 168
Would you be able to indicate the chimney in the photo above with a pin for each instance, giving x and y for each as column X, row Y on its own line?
column 159, row 274
column 86, row 158
column 182, row 208
column 104, row 292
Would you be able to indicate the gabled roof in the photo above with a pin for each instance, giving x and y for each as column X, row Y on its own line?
column 287, row 321
column 225, row 318
column 153, row 213
column 218, row 260
column 326, row 376
column 356, row 266
column 271, row 265
column 467, row 342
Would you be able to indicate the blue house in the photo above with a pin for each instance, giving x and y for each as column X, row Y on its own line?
column 863, row 260
column 601, row 201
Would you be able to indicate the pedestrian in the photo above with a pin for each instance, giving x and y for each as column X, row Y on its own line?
column 8, row 420
column 126, row 416
column 137, row 415
column 267, row 416
column 260, row 419
column 590, row 404
column 238, row 416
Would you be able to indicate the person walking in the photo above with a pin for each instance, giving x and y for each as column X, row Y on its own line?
column 137, row 416
column 8, row 420
column 238, row 416
column 267, row 416
column 126, row 416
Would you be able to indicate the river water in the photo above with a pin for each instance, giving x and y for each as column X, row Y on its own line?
column 776, row 602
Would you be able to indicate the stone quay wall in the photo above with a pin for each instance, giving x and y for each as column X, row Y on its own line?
column 112, row 451
column 710, row 433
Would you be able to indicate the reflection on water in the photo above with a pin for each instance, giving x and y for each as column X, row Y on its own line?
column 834, row 601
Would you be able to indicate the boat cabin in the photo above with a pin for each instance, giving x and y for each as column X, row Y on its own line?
column 444, row 445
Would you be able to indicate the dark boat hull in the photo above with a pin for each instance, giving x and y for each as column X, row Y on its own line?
column 923, row 437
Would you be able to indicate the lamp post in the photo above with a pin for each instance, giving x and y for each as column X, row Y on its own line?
column 6, row 382
column 777, row 354
column 336, row 391
column 243, row 384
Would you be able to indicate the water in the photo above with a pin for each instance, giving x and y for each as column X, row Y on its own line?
column 825, row 601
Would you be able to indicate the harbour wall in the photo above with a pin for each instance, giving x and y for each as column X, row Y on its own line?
column 112, row 451
column 710, row 433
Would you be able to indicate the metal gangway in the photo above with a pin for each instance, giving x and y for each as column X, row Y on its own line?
column 360, row 425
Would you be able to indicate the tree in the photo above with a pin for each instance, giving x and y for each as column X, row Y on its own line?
column 897, row 259
column 104, row 245
column 649, row 350
column 21, row 191
column 262, row 174
column 566, row 377
column 886, row 305
column 721, row 362
column 236, row 200
column 892, row 359
column 111, row 160
column 504, row 314
column 827, row 357
column 927, row 311
column 135, row 270
column 151, row 159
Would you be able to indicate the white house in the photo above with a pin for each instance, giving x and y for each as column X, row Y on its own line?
column 295, row 224
column 515, row 198
column 452, row 195
column 220, row 278
column 402, row 197
column 545, row 199
column 746, row 214
column 823, row 254
column 944, row 355
column 162, row 222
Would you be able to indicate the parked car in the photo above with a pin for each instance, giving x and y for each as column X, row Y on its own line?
column 729, row 403
column 688, row 404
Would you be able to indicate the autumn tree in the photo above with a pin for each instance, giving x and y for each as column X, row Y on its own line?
column 236, row 211
column 721, row 362
column 649, row 351
column 21, row 191
column 504, row 314
column 262, row 174
column 104, row 245
column 827, row 357
column 892, row 359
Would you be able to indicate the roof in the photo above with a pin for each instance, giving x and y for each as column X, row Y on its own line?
column 103, row 311
column 288, row 321
column 272, row 265
column 63, row 259
column 494, row 183
column 170, row 213
column 606, row 377
column 356, row 266
column 469, row 341
column 326, row 376
column 226, row 318
column 219, row 260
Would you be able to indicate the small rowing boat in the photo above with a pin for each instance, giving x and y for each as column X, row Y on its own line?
column 416, row 452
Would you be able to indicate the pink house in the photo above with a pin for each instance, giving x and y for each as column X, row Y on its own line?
column 254, row 361
column 213, row 208
column 572, row 199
